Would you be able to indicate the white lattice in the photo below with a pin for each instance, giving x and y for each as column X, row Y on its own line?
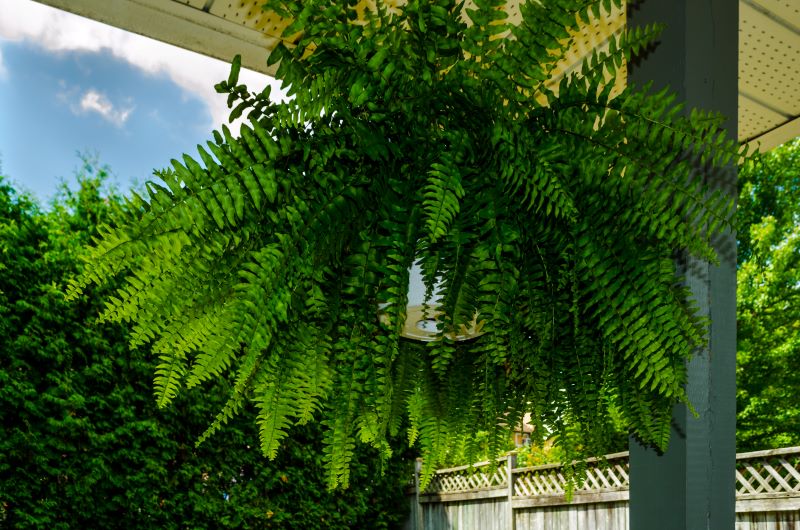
column 768, row 472
column 459, row 480
column 758, row 474
column 549, row 480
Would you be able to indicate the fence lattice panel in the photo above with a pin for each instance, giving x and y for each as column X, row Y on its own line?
column 608, row 475
column 463, row 479
column 759, row 474
column 765, row 472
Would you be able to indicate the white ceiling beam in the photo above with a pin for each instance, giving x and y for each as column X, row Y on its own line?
column 180, row 25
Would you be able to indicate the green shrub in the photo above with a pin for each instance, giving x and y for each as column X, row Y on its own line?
column 84, row 445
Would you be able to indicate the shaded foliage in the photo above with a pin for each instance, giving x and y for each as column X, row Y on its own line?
column 83, row 443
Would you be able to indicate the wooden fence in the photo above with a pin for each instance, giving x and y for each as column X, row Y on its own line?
column 506, row 497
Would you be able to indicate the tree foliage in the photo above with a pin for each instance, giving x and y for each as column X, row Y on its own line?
column 768, row 280
column 430, row 133
column 84, row 445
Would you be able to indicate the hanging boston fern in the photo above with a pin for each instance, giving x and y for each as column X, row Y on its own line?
column 545, row 218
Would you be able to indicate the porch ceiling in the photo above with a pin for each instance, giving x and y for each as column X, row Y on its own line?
column 769, row 47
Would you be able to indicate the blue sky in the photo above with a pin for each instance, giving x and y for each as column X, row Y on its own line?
column 57, row 105
column 69, row 85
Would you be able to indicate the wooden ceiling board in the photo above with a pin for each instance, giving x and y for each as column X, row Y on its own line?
column 249, row 14
column 769, row 69
column 785, row 11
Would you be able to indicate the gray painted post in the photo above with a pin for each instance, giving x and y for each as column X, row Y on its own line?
column 691, row 486
column 511, row 463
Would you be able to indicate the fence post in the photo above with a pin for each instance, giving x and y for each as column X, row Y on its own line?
column 418, row 521
column 511, row 463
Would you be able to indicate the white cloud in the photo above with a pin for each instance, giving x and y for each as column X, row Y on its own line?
column 94, row 101
column 55, row 30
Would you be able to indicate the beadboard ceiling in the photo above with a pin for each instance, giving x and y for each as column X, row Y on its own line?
column 769, row 47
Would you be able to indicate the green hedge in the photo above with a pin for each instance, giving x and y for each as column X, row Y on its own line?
column 83, row 444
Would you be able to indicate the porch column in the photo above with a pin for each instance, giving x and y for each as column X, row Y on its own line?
column 691, row 486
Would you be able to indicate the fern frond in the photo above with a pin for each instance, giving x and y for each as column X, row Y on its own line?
column 442, row 193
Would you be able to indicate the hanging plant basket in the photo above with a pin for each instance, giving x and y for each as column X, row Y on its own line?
column 547, row 214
